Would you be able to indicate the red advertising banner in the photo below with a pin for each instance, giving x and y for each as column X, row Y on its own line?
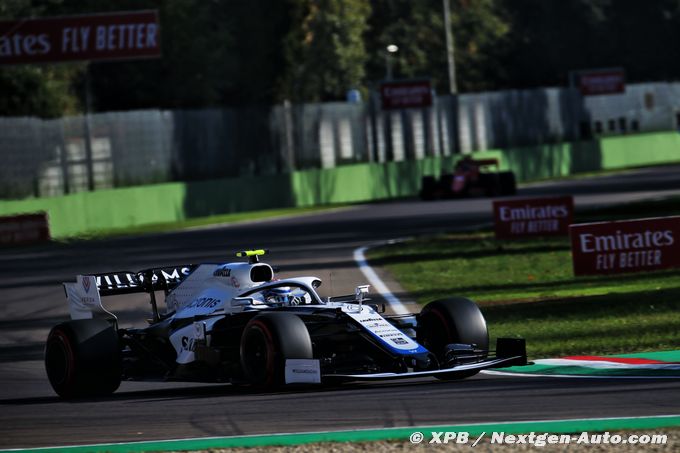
column 602, row 82
column 625, row 246
column 23, row 229
column 533, row 217
column 406, row 94
column 110, row 36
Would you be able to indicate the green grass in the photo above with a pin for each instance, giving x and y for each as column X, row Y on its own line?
column 527, row 288
column 204, row 221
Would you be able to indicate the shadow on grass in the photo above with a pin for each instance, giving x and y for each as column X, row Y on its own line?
column 587, row 308
column 498, row 250
column 534, row 287
column 612, row 323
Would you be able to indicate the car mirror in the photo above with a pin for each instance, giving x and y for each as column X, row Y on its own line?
column 242, row 301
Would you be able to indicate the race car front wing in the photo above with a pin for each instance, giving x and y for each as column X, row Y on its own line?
column 492, row 363
column 509, row 352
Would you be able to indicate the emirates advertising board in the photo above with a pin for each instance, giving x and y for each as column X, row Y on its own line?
column 24, row 229
column 530, row 217
column 595, row 82
column 406, row 94
column 107, row 36
column 625, row 246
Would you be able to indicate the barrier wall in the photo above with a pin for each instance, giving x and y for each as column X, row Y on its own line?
column 118, row 208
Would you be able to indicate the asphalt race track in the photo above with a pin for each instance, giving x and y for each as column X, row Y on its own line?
column 32, row 300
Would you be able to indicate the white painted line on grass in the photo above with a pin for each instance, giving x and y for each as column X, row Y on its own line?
column 360, row 257
column 395, row 304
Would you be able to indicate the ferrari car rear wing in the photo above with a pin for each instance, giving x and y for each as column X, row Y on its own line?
column 147, row 280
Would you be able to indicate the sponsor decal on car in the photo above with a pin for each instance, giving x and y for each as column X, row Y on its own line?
column 222, row 272
column 87, row 282
column 188, row 344
column 625, row 246
column 124, row 280
column 204, row 302
column 302, row 371
column 383, row 331
column 533, row 217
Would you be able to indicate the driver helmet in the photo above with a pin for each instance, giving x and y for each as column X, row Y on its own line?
column 285, row 295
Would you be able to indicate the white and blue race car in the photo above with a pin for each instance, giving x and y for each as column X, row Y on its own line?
column 237, row 323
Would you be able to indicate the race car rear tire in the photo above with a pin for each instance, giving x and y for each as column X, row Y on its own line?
column 268, row 340
column 82, row 358
column 453, row 320
column 490, row 183
column 508, row 183
column 428, row 187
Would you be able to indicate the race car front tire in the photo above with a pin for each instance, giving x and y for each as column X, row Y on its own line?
column 82, row 358
column 453, row 320
column 268, row 340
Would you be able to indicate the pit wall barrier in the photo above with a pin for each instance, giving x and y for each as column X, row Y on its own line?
column 89, row 212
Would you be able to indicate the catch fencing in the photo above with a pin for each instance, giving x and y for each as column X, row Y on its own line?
column 54, row 157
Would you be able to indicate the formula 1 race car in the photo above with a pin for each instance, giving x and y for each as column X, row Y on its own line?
column 236, row 323
column 471, row 177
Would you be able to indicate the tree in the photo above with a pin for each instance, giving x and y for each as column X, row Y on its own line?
column 195, row 69
column 550, row 38
column 324, row 49
column 43, row 90
column 417, row 28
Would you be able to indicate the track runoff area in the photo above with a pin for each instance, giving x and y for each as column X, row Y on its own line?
column 538, row 433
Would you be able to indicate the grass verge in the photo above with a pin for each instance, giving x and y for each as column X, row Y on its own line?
column 527, row 288
column 206, row 221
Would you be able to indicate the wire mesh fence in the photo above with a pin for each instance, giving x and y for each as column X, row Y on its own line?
column 53, row 157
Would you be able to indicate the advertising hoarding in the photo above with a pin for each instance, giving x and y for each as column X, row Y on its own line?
column 406, row 94
column 24, row 229
column 110, row 36
column 625, row 246
column 533, row 217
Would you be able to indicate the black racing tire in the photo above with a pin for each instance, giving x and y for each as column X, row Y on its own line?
column 507, row 182
column 453, row 320
column 446, row 187
column 83, row 359
column 490, row 183
column 266, row 342
column 428, row 187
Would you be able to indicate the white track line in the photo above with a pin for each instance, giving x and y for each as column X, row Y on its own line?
column 360, row 257
column 395, row 304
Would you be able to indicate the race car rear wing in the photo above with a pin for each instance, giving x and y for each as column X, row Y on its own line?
column 84, row 303
column 144, row 281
